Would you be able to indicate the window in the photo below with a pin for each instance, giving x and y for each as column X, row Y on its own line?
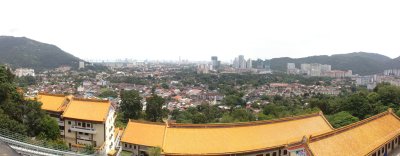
column 80, row 133
column 69, row 122
column 130, row 146
column 259, row 155
column 389, row 145
column 374, row 154
column 268, row 154
column 284, row 152
column 88, row 125
column 126, row 145
column 69, row 131
column 86, row 133
column 134, row 146
column 274, row 154
column 382, row 150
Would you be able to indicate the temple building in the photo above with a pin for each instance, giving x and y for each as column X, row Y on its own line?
column 307, row 135
column 259, row 138
column 378, row 135
column 83, row 122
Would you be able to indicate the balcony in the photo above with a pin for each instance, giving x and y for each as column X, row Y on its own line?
column 61, row 123
column 84, row 137
column 83, row 129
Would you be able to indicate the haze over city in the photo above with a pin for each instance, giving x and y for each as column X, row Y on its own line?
column 196, row 30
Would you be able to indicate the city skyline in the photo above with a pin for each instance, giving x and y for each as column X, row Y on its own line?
column 197, row 30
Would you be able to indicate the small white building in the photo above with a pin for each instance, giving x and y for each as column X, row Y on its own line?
column 81, row 64
column 24, row 72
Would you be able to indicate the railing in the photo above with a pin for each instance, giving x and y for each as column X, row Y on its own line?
column 29, row 146
column 83, row 129
column 84, row 137
column 61, row 123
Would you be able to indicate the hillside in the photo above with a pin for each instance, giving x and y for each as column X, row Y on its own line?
column 24, row 52
column 360, row 62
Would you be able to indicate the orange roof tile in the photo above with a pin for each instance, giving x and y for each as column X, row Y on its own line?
column 52, row 102
column 144, row 133
column 359, row 138
column 87, row 109
column 214, row 139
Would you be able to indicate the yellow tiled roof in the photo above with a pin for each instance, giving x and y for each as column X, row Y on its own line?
column 144, row 133
column 356, row 139
column 214, row 139
column 52, row 102
column 86, row 109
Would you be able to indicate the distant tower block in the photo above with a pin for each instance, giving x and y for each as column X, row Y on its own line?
column 81, row 64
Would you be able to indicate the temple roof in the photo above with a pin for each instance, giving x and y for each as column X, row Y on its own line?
column 217, row 139
column 87, row 109
column 52, row 102
column 360, row 138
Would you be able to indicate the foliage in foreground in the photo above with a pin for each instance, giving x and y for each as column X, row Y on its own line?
column 22, row 116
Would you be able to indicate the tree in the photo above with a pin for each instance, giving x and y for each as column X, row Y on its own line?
column 238, row 115
column 262, row 116
column 49, row 128
column 265, row 97
column 108, row 93
column 154, row 108
column 358, row 105
column 131, row 105
column 165, row 86
column 199, row 118
column 89, row 149
column 242, row 115
column 10, row 124
column 233, row 100
column 22, row 116
column 154, row 151
column 389, row 94
column 341, row 119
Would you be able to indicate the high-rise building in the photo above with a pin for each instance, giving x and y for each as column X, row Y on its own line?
column 325, row 68
column 315, row 69
column 215, row 63
column 242, row 62
column 249, row 64
column 236, row 63
column 291, row 68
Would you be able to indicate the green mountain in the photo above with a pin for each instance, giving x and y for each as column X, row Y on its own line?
column 24, row 52
column 360, row 62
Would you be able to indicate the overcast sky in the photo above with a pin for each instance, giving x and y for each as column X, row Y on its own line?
column 196, row 30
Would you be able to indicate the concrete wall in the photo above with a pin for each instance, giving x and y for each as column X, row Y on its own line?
column 135, row 149
column 71, row 137
column 388, row 147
